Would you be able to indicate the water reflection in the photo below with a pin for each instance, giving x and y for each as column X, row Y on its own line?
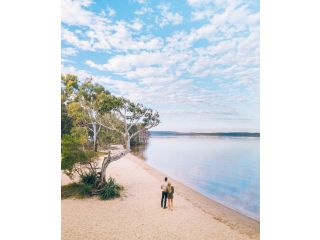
column 138, row 150
column 223, row 168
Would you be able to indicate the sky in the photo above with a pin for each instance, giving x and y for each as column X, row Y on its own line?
column 194, row 61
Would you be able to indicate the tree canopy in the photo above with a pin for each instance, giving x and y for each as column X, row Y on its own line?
column 91, row 114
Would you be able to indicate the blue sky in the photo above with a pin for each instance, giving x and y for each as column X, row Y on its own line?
column 195, row 61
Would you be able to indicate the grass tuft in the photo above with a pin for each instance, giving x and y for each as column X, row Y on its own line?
column 76, row 190
column 86, row 187
column 110, row 189
column 89, row 179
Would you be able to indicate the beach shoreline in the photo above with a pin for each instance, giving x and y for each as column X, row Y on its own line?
column 195, row 191
column 211, row 206
column 194, row 216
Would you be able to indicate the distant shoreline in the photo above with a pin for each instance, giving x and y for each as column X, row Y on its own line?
column 225, row 134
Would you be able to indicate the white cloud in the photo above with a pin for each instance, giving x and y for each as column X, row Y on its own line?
column 171, row 92
column 69, row 51
column 141, row 1
column 101, row 32
column 166, row 17
column 94, row 65
column 123, row 63
column 202, row 14
column 74, row 13
column 136, row 25
column 147, row 72
column 85, row 3
column 82, row 74
column 111, row 12
column 143, row 11
column 71, row 38
column 198, row 2
column 217, row 60
column 207, row 3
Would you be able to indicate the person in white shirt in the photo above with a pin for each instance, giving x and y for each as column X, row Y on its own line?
column 164, row 193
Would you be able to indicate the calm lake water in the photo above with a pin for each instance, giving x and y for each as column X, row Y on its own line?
column 226, row 169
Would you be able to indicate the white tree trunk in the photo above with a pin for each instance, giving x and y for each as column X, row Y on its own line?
column 95, row 134
column 128, row 144
column 127, row 139
column 106, row 161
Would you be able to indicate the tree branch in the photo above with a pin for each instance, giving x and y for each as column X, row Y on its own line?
column 118, row 111
column 131, row 125
column 144, row 128
column 119, row 156
column 112, row 128
column 113, row 158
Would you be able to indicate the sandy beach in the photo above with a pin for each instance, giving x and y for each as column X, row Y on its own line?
column 137, row 213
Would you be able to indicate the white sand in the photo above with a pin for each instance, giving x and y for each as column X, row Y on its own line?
column 138, row 215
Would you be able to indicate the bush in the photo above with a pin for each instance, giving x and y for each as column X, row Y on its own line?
column 110, row 189
column 76, row 190
column 89, row 179
column 85, row 190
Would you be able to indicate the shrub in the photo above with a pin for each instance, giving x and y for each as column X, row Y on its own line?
column 110, row 189
column 85, row 190
column 89, row 179
column 77, row 190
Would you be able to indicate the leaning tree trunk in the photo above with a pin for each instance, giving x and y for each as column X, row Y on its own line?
column 128, row 144
column 127, row 139
column 105, row 163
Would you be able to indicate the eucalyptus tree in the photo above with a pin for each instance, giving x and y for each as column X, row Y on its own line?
column 91, row 106
column 88, row 98
column 134, row 117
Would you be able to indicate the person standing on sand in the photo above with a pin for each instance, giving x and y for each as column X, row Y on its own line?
column 164, row 193
column 170, row 191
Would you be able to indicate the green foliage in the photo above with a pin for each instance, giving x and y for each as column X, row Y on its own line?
column 89, row 178
column 79, row 116
column 110, row 189
column 108, row 103
column 107, row 118
column 71, row 152
column 86, row 188
column 80, row 133
column 70, row 82
column 92, row 92
column 135, row 114
column 66, row 121
column 107, row 137
column 76, row 190
column 70, row 85
column 73, row 155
